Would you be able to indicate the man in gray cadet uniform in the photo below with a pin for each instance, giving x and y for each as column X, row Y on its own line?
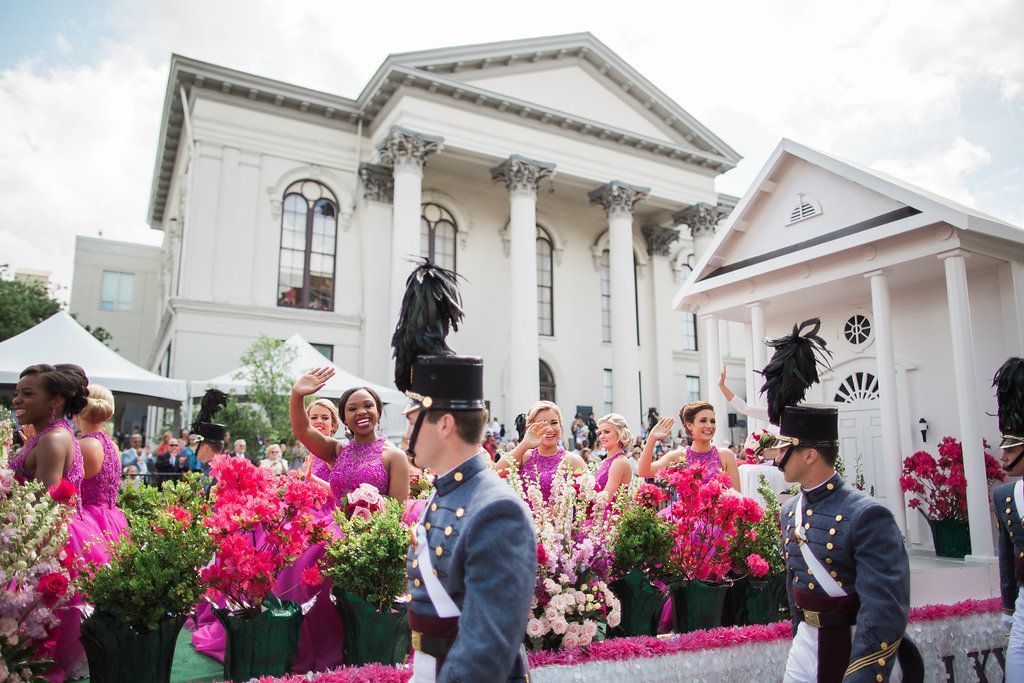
column 847, row 572
column 472, row 562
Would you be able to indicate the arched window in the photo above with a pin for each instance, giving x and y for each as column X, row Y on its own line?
column 545, row 284
column 437, row 235
column 606, row 299
column 309, row 231
column 547, row 383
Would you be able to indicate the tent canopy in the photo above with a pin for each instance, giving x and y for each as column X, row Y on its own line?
column 306, row 358
column 60, row 339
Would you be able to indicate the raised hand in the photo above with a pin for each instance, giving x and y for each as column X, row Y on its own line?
column 661, row 430
column 534, row 433
column 313, row 381
column 27, row 432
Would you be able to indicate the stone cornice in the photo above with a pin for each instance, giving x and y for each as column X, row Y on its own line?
column 520, row 174
column 378, row 182
column 617, row 197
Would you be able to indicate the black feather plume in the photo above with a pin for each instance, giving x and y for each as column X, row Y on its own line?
column 213, row 400
column 793, row 367
column 1009, row 384
column 432, row 306
column 521, row 425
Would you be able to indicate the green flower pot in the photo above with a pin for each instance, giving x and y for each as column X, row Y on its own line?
column 952, row 537
column 641, row 605
column 118, row 653
column 264, row 645
column 762, row 599
column 698, row 606
column 372, row 636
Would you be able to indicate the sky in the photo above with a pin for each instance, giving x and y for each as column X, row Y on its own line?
column 931, row 91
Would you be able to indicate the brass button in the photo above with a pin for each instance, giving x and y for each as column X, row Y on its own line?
column 879, row 678
column 433, row 508
column 1007, row 499
column 448, row 531
column 427, row 526
column 807, row 525
column 830, row 546
column 885, row 645
column 832, row 532
column 790, row 513
column 811, row 586
column 834, row 575
column 416, row 582
column 830, row 486
column 415, row 563
column 1007, row 510
column 787, row 554
column 881, row 661
column 828, row 560
column 440, row 551
column 839, row 518
column 839, row 583
column 810, row 512
column 458, row 476
column 460, row 512
column 435, row 572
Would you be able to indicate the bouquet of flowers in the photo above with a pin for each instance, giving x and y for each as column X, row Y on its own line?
column 576, row 532
column 705, row 518
column 36, row 568
column 368, row 559
column 939, row 485
column 757, row 550
column 260, row 522
column 757, row 443
column 420, row 486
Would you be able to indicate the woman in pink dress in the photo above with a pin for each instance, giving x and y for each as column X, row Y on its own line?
column 614, row 435
column 45, row 397
column 102, row 465
column 700, row 425
column 540, row 452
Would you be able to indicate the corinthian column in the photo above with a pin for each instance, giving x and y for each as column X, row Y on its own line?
column 521, row 176
column 702, row 219
column 406, row 152
column 618, row 199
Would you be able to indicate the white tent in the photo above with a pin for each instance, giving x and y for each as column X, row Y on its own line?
column 306, row 358
column 60, row 339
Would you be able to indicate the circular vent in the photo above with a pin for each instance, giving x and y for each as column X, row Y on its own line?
column 857, row 329
column 860, row 387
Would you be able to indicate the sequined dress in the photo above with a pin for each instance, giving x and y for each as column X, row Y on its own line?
column 710, row 459
column 99, row 498
column 541, row 469
column 601, row 478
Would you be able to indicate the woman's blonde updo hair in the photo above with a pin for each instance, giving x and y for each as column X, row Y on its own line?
column 619, row 422
column 531, row 416
column 331, row 408
column 99, row 406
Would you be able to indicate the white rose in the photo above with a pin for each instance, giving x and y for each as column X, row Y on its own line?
column 614, row 617
column 551, row 613
column 534, row 628
column 574, row 629
column 570, row 641
column 585, row 640
column 559, row 625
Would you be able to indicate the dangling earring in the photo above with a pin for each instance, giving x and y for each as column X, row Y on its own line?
column 53, row 414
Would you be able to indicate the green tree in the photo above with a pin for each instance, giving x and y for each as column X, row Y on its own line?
column 22, row 305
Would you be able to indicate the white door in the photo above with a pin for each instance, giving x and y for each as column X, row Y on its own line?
column 860, row 431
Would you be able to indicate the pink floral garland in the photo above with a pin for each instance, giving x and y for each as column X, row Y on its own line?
column 617, row 649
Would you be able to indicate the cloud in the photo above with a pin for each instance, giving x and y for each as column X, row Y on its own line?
column 943, row 171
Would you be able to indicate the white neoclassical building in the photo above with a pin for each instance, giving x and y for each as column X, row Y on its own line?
column 570, row 193
column 921, row 300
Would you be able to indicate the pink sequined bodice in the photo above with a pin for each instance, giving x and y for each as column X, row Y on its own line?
column 359, row 463
column 541, row 469
column 712, row 463
column 320, row 469
column 102, row 489
column 601, row 478
column 75, row 473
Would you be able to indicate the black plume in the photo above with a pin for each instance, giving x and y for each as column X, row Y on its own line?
column 521, row 425
column 213, row 400
column 793, row 367
column 431, row 307
column 1009, row 384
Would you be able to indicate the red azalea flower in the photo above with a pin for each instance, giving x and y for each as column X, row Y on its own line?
column 180, row 514
column 52, row 587
column 63, row 492
column 311, row 575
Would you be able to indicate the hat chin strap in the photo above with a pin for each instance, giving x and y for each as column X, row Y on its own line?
column 1016, row 461
column 415, row 434
column 781, row 464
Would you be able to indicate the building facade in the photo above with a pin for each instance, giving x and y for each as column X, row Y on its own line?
column 569, row 193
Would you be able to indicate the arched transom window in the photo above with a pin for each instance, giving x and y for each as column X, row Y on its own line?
column 547, row 382
column 437, row 235
column 309, row 232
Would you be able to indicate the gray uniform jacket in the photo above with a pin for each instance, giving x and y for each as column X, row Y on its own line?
column 1011, row 542
column 856, row 538
column 484, row 550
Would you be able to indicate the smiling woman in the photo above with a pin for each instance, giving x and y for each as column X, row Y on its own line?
column 540, row 453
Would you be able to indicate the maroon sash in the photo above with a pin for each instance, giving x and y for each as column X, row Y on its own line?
column 833, row 618
column 433, row 635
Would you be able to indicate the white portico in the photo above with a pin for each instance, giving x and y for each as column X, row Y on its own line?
column 920, row 300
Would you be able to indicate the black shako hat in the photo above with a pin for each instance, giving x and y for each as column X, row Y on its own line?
column 211, row 432
column 204, row 427
column 1009, row 385
column 813, row 426
column 447, row 383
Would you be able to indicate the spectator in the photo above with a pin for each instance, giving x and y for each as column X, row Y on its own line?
column 274, row 462
column 591, row 431
column 189, row 449
column 165, row 444
column 495, row 428
column 490, row 445
column 149, row 458
column 131, row 455
column 183, row 437
column 588, row 456
column 130, row 478
column 239, row 448
column 634, row 459
column 167, row 462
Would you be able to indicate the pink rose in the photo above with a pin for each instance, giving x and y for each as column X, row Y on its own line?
column 361, row 513
column 570, row 641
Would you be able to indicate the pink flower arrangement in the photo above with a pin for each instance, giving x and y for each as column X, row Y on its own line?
column 364, row 501
column 576, row 529
column 704, row 518
column 260, row 523
column 939, row 484
column 649, row 495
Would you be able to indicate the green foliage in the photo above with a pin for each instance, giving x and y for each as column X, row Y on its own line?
column 245, row 421
column 152, row 573
column 22, row 305
column 264, row 417
column 369, row 561
column 644, row 542
column 768, row 534
column 142, row 504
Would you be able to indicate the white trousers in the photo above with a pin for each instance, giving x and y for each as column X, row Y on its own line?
column 1015, row 648
column 424, row 668
column 802, row 664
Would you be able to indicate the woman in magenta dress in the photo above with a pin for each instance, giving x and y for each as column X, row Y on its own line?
column 614, row 435
column 45, row 397
column 102, row 464
column 540, row 452
column 699, row 422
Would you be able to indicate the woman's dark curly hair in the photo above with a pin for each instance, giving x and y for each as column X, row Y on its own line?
column 65, row 380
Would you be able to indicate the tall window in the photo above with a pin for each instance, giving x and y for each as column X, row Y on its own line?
column 689, row 332
column 437, row 235
column 608, row 401
column 547, row 383
column 545, row 284
column 606, row 299
column 116, row 291
column 692, row 388
column 309, row 230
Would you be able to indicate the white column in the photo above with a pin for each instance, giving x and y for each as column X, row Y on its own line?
column 618, row 200
column 716, row 398
column 758, row 356
column 406, row 151
column 892, row 460
column 967, row 399
column 375, row 224
column 665, row 327
column 521, row 175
